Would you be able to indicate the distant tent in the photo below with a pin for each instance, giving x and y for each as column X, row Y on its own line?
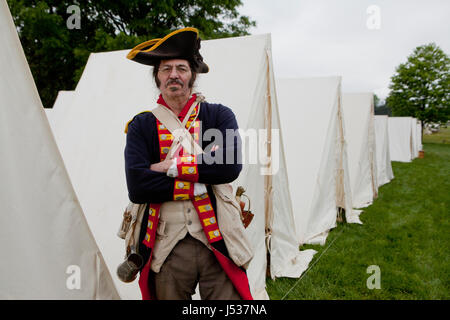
column 312, row 125
column 400, row 139
column 56, row 115
column 419, row 135
column 360, row 136
column 384, row 167
column 92, row 141
column 48, row 251
column 416, row 138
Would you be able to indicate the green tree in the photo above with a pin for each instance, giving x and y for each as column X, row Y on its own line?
column 57, row 55
column 420, row 87
column 376, row 100
column 380, row 106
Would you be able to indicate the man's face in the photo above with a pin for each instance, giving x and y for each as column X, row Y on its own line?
column 174, row 76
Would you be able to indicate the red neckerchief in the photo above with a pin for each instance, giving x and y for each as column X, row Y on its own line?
column 185, row 109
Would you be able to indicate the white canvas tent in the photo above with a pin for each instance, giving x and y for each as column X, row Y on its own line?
column 400, row 139
column 360, row 136
column 48, row 251
column 310, row 111
column 91, row 140
column 416, row 137
column 384, row 167
column 59, row 110
column 419, row 135
column 414, row 149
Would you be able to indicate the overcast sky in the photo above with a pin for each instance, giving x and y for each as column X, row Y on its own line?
column 345, row 37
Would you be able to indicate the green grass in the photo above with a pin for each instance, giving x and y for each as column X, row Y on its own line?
column 443, row 136
column 405, row 232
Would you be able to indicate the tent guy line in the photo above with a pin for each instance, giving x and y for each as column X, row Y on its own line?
column 314, row 263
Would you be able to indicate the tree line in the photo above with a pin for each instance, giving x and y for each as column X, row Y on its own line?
column 57, row 54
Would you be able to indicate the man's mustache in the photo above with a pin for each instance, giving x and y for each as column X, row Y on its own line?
column 174, row 81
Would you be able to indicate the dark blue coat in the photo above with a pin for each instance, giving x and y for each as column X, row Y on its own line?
column 142, row 150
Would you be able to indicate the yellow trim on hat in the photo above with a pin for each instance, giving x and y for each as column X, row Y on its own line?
column 138, row 48
column 126, row 126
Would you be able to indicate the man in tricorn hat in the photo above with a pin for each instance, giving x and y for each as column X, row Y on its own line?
column 181, row 240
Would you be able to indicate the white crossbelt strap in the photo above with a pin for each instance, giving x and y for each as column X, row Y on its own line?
column 178, row 129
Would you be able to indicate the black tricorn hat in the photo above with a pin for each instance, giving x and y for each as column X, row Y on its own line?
column 180, row 44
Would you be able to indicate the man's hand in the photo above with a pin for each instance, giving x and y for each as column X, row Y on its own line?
column 162, row 166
